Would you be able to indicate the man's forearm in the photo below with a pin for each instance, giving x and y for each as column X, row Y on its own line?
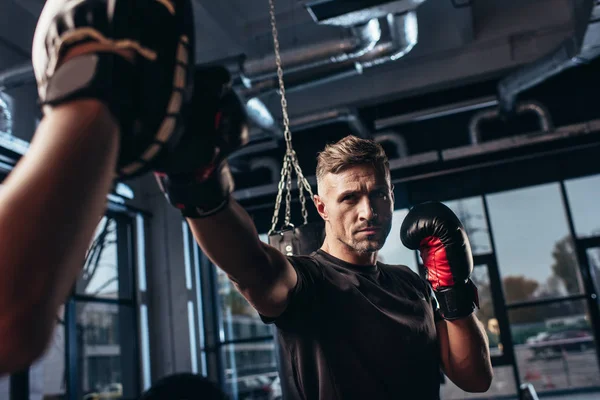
column 229, row 238
column 49, row 207
column 465, row 353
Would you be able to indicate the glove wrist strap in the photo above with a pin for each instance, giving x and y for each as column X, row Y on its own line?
column 458, row 301
column 199, row 198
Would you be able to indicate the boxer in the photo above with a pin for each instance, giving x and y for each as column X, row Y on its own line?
column 349, row 327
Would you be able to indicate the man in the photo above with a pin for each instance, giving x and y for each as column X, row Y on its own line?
column 349, row 327
column 113, row 88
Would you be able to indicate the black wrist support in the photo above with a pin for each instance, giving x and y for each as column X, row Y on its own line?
column 199, row 194
column 458, row 301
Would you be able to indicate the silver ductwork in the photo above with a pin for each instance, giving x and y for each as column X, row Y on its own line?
column 395, row 140
column 355, row 126
column 17, row 76
column 316, row 65
column 269, row 163
column 581, row 47
column 538, row 109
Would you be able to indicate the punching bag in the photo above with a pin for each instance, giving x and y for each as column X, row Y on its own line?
column 301, row 240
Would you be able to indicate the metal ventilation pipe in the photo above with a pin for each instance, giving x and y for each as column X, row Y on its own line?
column 17, row 76
column 364, row 38
column 269, row 163
column 330, row 116
column 403, row 30
column 577, row 49
column 536, row 108
column 396, row 140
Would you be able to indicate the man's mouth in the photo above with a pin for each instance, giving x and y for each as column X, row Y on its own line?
column 370, row 230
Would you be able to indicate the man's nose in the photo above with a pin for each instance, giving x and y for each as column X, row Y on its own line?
column 367, row 211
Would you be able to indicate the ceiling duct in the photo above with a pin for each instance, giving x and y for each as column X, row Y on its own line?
column 581, row 47
column 542, row 113
column 17, row 76
column 328, row 61
column 355, row 125
column 396, row 140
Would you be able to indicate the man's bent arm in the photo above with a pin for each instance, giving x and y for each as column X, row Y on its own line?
column 262, row 274
column 50, row 206
column 465, row 355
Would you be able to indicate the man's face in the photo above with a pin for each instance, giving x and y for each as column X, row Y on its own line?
column 357, row 204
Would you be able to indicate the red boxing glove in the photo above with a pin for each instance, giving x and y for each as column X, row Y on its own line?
column 434, row 230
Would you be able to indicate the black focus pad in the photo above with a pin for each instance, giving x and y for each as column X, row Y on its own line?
column 148, row 94
column 184, row 386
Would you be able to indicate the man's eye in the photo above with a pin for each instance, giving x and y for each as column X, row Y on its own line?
column 348, row 197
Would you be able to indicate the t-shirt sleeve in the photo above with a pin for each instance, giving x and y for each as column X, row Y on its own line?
column 303, row 298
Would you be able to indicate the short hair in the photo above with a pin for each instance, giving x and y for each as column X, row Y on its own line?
column 349, row 152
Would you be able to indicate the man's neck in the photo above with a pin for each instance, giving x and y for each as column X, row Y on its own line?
column 347, row 254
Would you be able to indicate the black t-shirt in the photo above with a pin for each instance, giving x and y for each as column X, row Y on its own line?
column 357, row 332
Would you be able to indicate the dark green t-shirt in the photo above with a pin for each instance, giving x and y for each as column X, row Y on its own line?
column 357, row 332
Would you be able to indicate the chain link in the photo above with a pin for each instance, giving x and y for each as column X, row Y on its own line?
column 290, row 160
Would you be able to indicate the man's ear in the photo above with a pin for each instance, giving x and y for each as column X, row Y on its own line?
column 320, row 204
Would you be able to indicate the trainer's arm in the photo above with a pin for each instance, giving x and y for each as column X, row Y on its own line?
column 49, row 208
column 262, row 274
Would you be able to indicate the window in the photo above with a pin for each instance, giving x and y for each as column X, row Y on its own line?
column 246, row 344
column 471, row 213
column 393, row 252
column 6, row 121
column 554, row 345
column 503, row 384
column 535, row 251
column 100, row 276
column 583, row 195
column 101, row 316
column 47, row 377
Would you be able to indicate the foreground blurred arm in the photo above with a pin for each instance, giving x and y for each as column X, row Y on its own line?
column 49, row 207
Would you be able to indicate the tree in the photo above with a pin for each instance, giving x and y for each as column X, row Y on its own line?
column 565, row 264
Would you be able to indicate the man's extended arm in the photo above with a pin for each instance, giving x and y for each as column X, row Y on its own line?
column 261, row 273
column 198, row 181
column 49, row 207
column 465, row 353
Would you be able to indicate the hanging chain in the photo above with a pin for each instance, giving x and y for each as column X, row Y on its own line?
column 290, row 160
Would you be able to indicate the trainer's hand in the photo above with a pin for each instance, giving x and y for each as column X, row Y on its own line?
column 195, row 176
column 438, row 234
column 142, row 74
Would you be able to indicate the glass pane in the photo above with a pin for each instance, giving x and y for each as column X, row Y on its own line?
column 554, row 346
column 47, row 377
column 534, row 249
column 100, row 277
column 593, row 256
column 103, row 330
column 240, row 320
column 250, row 370
column 393, row 251
column 471, row 213
column 4, row 387
column 485, row 313
column 503, row 384
column 583, row 194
